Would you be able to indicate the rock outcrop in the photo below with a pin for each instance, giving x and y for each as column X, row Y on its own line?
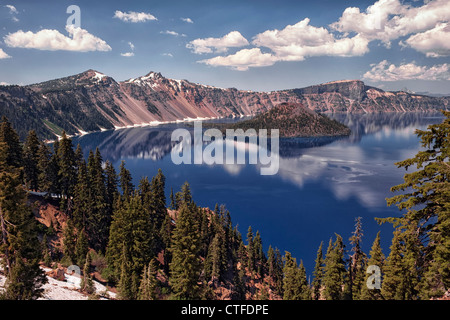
column 92, row 101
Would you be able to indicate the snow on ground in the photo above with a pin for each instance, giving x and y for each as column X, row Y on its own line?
column 66, row 290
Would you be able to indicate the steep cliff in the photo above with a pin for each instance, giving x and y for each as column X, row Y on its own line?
column 92, row 101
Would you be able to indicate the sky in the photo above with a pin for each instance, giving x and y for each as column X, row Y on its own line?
column 249, row 45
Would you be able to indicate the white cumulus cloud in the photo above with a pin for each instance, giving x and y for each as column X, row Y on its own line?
column 295, row 42
column 387, row 20
column 188, row 20
column 434, row 42
column 132, row 16
column 424, row 28
column 47, row 39
column 243, row 59
column 385, row 71
column 3, row 54
column 209, row 45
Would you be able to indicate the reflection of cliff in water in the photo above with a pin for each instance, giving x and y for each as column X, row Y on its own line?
column 370, row 123
column 148, row 143
column 155, row 142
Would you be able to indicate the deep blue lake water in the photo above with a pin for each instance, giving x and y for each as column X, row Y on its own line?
column 322, row 184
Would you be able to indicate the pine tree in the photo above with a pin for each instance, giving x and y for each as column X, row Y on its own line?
column 67, row 170
column 250, row 251
column 125, row 180
column 334, row 271
column 81, row 248
column 159, row 209
column 131, row 233
column 377, row 258
column 358, row 261
column 260, row 258
column 392, row 287
column 87, row 284
column 172, row 205
column 12, row 147
column 185, row 265
column 43, row 167
column 19, row 243
column 184, row 196
column 111, row 184
column 166, row 236
column 82, row 200
column 53, row 171
column 30, row 161
column 292, row 281
column 125, row 285
column 69, row 242
column 318, row 274
column 305, row 290
column 149, row 283
column 98, row 223
column 427, row 204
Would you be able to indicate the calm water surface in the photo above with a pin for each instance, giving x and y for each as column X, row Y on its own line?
column 321, row 186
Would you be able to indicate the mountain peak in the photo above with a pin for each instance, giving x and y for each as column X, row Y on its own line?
column 153, row 75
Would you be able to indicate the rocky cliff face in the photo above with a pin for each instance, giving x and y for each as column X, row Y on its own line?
column 354, row 96
column 92, row 101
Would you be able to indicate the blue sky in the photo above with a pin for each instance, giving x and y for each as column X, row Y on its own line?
column 252, row 45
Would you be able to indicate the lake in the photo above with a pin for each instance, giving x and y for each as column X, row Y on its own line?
column 322, row 184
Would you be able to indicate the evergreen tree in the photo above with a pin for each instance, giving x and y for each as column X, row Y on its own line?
column 125, row 181
column 213, row 262
column 53, row 171
column 43, row 167
column 250, row 251
column 12, row 147
column 275, row 269
column 184, row 196
column 67, row 170
column 130, row 237
column 111, row 184
column 292, row 281
column 30, row 161
column 427, row 205
column 258, row 253
column 392, row 287
column 98, row 220
column 172, row 205
column 82, row 200
column 158, row 205
column 318, row 274
column 19, row 243
column 377, row 258
column 334, row 271
column 125, row 285
column 149, row 283
column 69, row 242
column 81, row 248
column 358, row 261
column 185, row 265
column 87, row 284
column 305, row 290
column 166, row 236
